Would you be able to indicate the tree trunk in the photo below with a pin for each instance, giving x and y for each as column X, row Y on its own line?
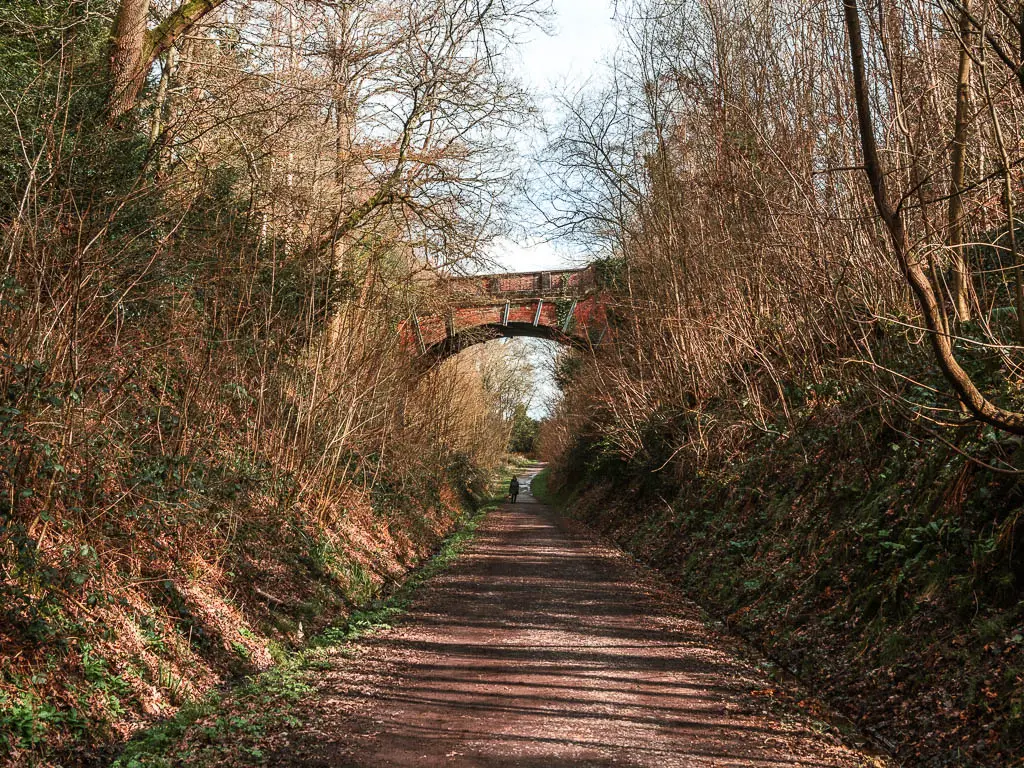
column 343, row 119
column 910, row 263
column 133, row 49
column 961, row 274
column 160, row 109
column 127, row 72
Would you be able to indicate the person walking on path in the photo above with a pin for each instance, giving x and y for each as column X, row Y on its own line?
column 513, row 489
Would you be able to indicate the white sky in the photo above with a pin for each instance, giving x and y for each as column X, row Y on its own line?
column 583, row 33
column 582, row 36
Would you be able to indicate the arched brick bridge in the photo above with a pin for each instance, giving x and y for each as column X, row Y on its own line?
column 562, row 305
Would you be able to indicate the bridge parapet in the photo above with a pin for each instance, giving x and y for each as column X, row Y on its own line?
column 560, row 282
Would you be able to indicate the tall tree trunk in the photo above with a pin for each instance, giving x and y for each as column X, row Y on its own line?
column 961, row 274
column 127, row 73
column 343, row 119
column 161, row 95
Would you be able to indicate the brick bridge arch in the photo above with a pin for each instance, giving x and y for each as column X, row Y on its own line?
column 565, row 306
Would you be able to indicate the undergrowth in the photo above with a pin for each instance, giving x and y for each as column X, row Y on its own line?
column 94, row 647
column 884, row 568
column 230, row 727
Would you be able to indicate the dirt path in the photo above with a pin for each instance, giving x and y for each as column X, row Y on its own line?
column 540, row 648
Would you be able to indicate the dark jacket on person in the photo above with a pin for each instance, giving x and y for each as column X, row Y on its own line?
column 513, row 487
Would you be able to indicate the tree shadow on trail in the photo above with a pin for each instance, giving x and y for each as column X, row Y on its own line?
column 539, row 648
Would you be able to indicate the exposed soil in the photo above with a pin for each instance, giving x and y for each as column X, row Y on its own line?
column 541, row 647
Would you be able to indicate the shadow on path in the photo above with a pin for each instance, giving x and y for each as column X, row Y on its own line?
column 540, row 648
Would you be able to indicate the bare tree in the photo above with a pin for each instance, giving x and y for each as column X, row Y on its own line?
column 910, row 262
column 135, row 46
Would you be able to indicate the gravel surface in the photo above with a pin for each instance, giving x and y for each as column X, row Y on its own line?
column 542, row 648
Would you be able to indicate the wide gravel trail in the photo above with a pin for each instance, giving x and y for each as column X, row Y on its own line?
column 542, row 648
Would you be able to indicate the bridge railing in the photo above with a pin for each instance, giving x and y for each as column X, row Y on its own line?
column 543, row 283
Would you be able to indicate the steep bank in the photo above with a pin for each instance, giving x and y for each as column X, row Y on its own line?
column 885, row 571
column 129, row 641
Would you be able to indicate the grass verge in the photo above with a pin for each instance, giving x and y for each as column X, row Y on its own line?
column 540, row 487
